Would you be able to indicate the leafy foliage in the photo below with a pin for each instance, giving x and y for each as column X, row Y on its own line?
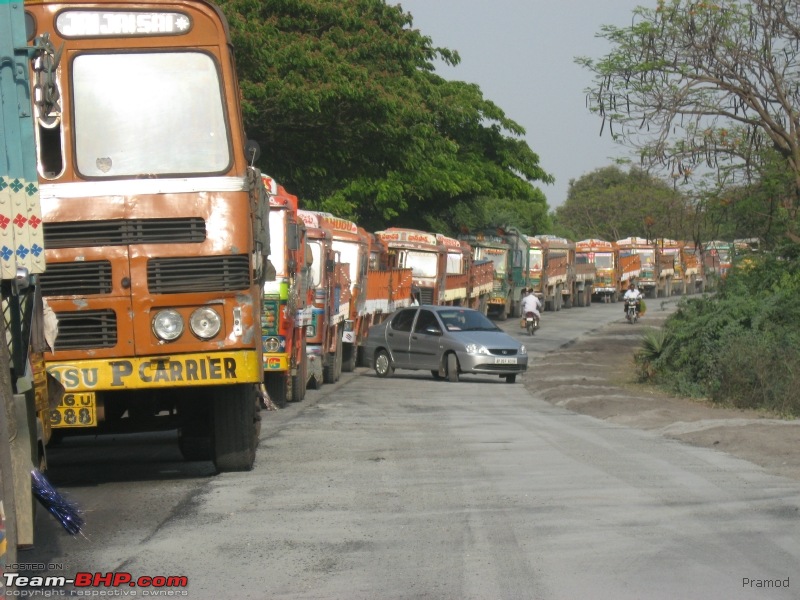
column 743, row 345
column 611, row 204
column 698, row 85
column 342, row 97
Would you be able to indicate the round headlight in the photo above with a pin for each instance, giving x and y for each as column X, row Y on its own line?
column 523, row 349
column 167, row 325
column 205, row 323
column 272, row 344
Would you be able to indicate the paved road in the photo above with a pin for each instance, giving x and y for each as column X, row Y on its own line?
column 411, row 488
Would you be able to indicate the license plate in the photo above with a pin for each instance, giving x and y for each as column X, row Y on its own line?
column 76, row 410
column 505, row 361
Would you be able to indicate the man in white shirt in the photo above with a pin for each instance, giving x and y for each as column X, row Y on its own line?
column 530, row 303
column 632, row 294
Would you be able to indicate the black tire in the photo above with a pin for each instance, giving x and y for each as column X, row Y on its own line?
column 511, row 378
column 333, row 369
column 194, row 448
column 236, row 427
column 277, row 385
column 298, row 391
column 337, row 361
column 194, row 436
column 383, row 364
column 349, row 357
column 452, row 368
column 531, row 328
column 436, row 375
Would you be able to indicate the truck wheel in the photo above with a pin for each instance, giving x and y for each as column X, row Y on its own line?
column 338, row 359
column 277, row 385
column 236, row 427
column 383, row 364
column 194, row 435
column 511, row 378
column 299, row 384
column 452, row 368
column 349, row 356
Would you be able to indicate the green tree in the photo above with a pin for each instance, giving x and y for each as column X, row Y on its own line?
column 611, row 204
column 342, row 97
column 706, row 86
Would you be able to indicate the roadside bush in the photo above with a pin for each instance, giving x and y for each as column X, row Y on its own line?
column 741, row 346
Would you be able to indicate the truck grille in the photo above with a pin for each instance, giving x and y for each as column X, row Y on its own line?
column 198, row 274
column 86, row 329
column 122, row 232
column 77, row 278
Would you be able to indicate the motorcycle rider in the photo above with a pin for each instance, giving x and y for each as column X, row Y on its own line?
column 633, row 293
column 530, row 303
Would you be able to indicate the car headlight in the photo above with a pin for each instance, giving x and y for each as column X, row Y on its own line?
column 205, row 323
column 167, row 325
column 523, row 349
column 476, row 349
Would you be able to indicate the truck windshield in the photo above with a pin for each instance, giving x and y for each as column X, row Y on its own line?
column 604, row 260
column 348, row 252
column 422, row 264
column 535, row 259
column 646, row 257
column 315, row 272
column 154, row 113
column 455, row 264
column 277, row 233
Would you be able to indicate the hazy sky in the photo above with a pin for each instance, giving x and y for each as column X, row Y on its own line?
column 520, row 53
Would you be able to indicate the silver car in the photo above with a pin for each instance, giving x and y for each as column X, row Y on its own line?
column 447, row 340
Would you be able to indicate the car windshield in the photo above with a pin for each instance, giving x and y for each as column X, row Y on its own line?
column 466, row 320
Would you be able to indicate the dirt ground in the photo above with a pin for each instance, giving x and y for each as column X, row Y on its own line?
column 596, row 376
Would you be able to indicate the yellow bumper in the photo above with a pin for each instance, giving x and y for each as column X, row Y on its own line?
column 185, row 370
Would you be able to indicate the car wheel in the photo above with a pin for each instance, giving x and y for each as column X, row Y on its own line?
column 383, row 364
column 436, row 375
column 511, row 378
column 452, row 368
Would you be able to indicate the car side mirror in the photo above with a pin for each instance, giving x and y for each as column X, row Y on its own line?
column 433, row 330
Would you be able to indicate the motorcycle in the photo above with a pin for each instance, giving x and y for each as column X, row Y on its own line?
column 531, row 322
column 632, row 311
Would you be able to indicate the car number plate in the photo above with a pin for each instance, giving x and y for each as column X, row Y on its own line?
column 75, row 410
column 505, row 361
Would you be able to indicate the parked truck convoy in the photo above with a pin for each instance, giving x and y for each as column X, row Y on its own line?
column 185, row 284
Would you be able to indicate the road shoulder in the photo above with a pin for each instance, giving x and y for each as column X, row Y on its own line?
column 595, row 376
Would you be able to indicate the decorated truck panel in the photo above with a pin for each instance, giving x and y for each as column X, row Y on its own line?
column 286, row 310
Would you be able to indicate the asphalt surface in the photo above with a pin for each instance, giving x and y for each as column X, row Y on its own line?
column 410, row 488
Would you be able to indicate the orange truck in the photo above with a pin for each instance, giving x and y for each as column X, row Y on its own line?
column 286, row 310
column 605, row 258
column 656, row 270
column 613, row 270
column 388, row 288
column 558, row 284
column 352, row 245
column 481, row 279
column 692, row 268
column 329, row 288
column 157, row 243
column 425, row 255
